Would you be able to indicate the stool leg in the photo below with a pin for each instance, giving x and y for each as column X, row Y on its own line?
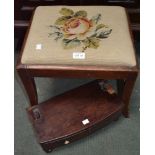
column 120, row 86
column 126, row 94
column 29, row 85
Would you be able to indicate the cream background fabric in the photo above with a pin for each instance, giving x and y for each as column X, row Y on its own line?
column 116, row 50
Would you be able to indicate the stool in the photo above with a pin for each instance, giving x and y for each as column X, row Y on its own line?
column 78, row 42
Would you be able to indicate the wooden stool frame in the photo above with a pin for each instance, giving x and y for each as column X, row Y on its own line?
column 125, row 76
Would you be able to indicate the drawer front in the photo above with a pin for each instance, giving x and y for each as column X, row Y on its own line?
column 49, row 146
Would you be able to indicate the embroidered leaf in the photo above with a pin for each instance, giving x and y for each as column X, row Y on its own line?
column 91, row 42
column 56, row 35
column 62, row 20
column 95, row 19
column 68, row 44
column 104, row 34
column 100, row 26
column 66, row 12
column 81, row 14
column 54, row 28
column 93, row 35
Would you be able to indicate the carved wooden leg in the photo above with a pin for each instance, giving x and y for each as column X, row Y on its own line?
column 127, row 91
column 29, row 85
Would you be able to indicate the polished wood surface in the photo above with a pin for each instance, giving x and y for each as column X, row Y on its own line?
column 60, row 119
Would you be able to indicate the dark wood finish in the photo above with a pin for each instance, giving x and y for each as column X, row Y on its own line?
column 125, row 88
column 60, row 118
column 126, row 94
column 17, row 6
column 120, row 85
column 20, row 27
column 29, row 85
column 43, row 2
column 99, row 72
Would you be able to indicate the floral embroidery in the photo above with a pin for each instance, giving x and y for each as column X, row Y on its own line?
column 75, row 29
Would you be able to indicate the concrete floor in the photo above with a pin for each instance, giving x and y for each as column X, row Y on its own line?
column 119, row 138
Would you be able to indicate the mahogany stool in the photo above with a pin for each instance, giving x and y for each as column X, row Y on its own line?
column 78, row 42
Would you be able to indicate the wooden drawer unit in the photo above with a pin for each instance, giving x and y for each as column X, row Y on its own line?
column 73, row 115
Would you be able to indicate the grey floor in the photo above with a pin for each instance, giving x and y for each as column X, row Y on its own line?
column 119, row 138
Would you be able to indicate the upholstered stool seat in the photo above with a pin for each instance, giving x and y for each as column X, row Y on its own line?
column 101, row 32
column 78, row 42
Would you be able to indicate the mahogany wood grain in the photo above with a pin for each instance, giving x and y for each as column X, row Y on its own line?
column 60, row 118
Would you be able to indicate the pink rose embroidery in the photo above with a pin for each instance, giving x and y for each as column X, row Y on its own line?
column 75, row 29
